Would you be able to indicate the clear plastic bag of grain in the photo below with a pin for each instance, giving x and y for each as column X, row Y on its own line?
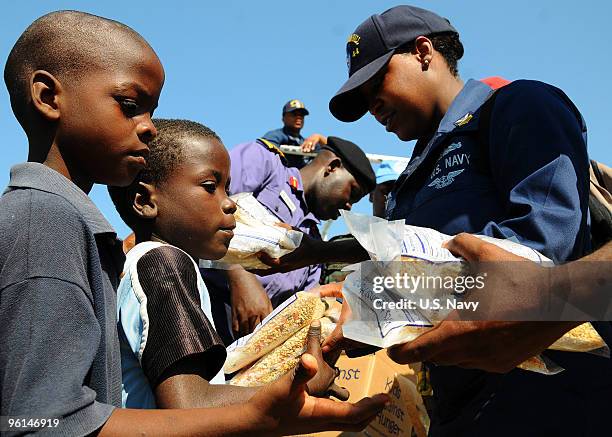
column 281, row 360
column 288, row 318
column 583, row 338
column 256, row 232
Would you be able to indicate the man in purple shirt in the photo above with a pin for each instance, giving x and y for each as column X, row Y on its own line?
column 339, row 176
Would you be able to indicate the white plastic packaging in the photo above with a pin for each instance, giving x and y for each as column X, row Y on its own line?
column 256, row 232
column 395, row 241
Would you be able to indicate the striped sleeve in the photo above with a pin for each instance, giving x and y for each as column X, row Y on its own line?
column 177, row 325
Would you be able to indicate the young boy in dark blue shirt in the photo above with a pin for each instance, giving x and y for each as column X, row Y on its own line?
column 84, row 89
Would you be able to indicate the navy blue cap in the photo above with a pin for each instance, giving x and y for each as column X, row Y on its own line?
column 371, row 46
column 295, row 105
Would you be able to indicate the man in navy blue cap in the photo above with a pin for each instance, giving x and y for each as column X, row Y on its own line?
column 294, row 112
column 508, row 164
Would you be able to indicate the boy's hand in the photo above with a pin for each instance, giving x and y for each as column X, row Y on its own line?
column 285, row 407
column 323, row 384
column 250, row 302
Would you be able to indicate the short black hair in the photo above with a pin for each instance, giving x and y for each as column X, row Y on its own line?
column 65, row 44
column 166, row 154
column 447, row 44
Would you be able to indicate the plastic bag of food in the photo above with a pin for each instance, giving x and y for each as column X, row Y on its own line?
column 422, row 250
column 282, row 359
column 540, row 364
column 395, row 240
column 583, row 338
column 256, row 231
column 392, row 327
column 288, row 318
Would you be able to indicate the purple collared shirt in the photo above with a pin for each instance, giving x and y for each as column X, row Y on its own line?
column 257, row 170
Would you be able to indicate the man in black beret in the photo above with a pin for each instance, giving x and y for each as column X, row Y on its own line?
column 339, row 176
column 326, row 194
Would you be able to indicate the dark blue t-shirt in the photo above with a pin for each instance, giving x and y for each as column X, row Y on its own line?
column 59, row 269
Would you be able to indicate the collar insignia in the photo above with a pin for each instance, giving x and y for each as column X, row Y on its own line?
column 464, row 120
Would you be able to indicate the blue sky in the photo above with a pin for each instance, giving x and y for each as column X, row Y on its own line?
column 232, row 64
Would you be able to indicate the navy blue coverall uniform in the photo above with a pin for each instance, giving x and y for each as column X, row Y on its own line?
column 525, row 179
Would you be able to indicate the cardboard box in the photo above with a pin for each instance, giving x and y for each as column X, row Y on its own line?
column 405, row 416
column 377, row 373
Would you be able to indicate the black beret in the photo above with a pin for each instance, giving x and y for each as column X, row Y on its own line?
column 355, row 161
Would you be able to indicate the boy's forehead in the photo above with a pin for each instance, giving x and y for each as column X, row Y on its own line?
column 208, row 154
column 132, row 55
column 205, row 149
column 127, row 71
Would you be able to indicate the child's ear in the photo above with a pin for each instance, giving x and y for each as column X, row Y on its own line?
column 333, row 165
column 46, row 91
column 145, row 201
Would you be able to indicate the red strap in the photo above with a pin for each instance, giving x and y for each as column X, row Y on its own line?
column 495, row 82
